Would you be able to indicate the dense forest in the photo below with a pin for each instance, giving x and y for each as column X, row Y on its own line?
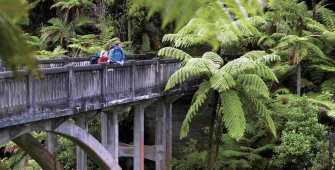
column 267, row 70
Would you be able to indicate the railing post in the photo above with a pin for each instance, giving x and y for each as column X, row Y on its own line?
column 133, row 74
column 104, row 82
column 158, row 75
column 71, row 88
column 1, row 66
column 31, row 95
column 66, row 60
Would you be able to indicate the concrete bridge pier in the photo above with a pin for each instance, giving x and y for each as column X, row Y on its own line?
column 51, row 143
column 163, row 131
column 139, row 133
column 81, row 156
column 110, row 130
column 81, row 159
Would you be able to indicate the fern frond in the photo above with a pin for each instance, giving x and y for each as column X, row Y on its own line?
column 324, row 67
column 200, row 99
column 326, row 104
column 269, row 58
column 262, row 111
column 145, row 42
column 253, row 82
column 238, row 65
column 222, row 81
column 174, row 53
column 328, row 85
column 233, row 153
column 194, row 67
column 317, row 76
column 228, row 142
column 315, row 25
column 213, row 57
column 242, row 163
column 254, row 54
column 247, row 29
column 317, row 51
column 331, row 114
column 278, row 35
column 263, row 148
column 233, row 114
column 329, row 35
column 328, row 16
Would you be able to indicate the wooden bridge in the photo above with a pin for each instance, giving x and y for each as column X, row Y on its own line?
column 71, row 88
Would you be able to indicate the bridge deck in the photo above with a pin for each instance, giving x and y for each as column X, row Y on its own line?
column 73, row 88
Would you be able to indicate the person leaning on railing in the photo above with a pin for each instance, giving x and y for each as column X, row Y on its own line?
column 116, row 55
column 103, row 57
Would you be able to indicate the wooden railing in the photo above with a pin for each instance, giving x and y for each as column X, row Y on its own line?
column 68, row 90
column 78, row 61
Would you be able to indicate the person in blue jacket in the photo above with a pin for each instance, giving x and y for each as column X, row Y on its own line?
column 116, row 55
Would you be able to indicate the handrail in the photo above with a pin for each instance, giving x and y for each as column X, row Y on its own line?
column 68, row 90
column 60, row 62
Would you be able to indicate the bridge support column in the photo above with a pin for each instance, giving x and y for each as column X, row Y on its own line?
column 110, row 132
column 163, row 134
column 139, row 133
column 81, row 155
column 51, row 143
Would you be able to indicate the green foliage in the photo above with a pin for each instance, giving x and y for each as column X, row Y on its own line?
column 66, row 153
column 183, row 11
column 58, row 52
column 234, row 80
column 4, row 164
column 84, row 44
column 14, row 50
column 327, row 16
column 57, row 30
column 192, row 159
column 246, row 153
column 303, row 139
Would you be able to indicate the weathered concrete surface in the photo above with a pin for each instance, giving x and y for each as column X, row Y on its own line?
column 38, row 152
column 72, row 132
column 71, row 90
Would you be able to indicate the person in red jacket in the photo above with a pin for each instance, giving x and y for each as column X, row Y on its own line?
column 103, row 57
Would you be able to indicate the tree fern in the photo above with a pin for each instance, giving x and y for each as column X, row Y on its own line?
column 243, row 73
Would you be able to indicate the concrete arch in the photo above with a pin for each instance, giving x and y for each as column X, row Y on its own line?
column 38, row 152
column 87, row 142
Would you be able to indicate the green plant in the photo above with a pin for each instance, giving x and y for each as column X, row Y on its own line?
column 14, row 50
column 303, row 140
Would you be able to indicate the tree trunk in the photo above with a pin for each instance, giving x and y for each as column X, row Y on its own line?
column 313, row 7
column 299, row 78
column 211, row 145
column 129, row 29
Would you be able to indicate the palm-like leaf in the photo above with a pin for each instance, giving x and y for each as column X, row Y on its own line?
column 56, row 31
column 240, row 77
column 233, row 114
column 200, row 99
column 58, row 52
